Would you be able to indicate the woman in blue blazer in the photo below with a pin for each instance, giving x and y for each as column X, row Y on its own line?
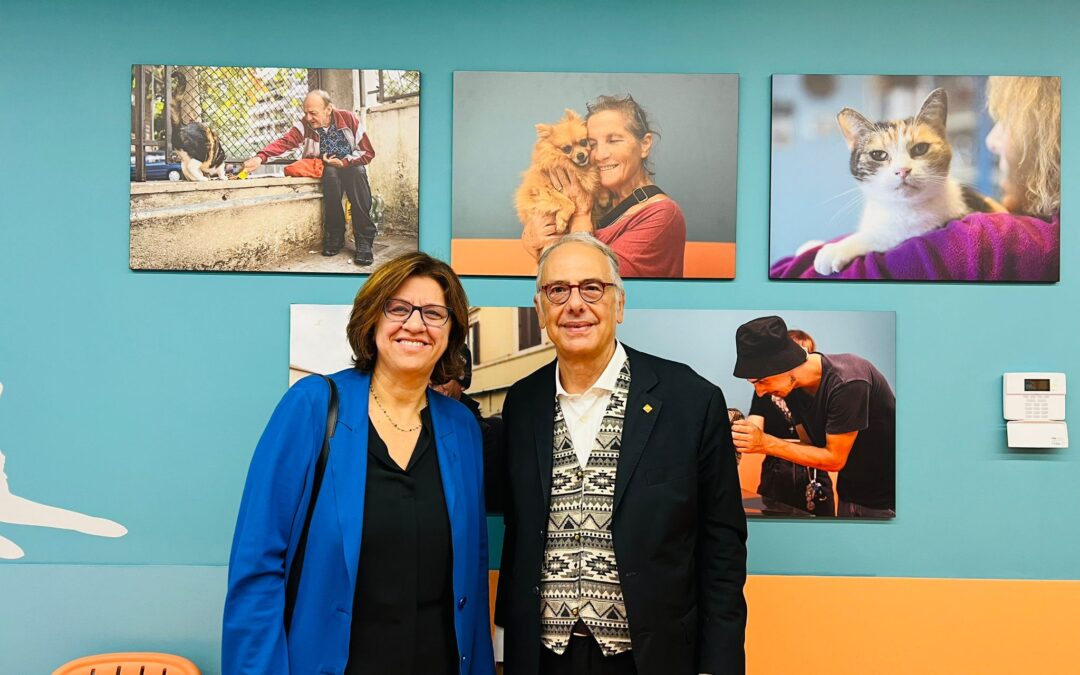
column 394, row 576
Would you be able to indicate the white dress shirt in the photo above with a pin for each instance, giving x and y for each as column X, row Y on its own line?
column 584, row 412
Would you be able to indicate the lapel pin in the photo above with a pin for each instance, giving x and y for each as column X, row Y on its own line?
column 647, row 408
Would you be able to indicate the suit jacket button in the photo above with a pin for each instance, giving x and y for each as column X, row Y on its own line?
column 461, row 603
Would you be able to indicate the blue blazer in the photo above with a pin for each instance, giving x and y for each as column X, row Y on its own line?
column 272, row 513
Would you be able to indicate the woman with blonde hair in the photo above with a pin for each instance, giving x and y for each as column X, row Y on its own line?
column 1027, row 140
column 1020, row 245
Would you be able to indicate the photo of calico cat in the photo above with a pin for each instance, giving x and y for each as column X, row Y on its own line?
column 199, row 151
column 564, row 144
column 902, row 168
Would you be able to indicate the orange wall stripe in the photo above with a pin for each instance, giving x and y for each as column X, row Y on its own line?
column 506, row 257
column 893, row 626
column 904, row 626
column 491, row 257
column 709, row 260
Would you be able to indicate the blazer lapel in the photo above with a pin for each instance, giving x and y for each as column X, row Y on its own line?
column 642, row 411
column 348, row 462
column 453, row 482
column 544, row 431
column 446, row 448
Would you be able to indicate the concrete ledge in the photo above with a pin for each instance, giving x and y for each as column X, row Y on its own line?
column 223, row 225
column 158, row 187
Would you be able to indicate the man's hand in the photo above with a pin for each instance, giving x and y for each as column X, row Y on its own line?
column 333, row 161
column 252, row 164
column 747, row 437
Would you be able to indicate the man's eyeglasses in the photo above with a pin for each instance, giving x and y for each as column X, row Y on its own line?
column 591, row 290
column 431, row 315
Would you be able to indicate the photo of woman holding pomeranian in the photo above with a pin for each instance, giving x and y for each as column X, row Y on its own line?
column 645, row 227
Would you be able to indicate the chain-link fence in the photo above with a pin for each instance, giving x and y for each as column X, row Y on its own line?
column 398, row 84
column 246, row 108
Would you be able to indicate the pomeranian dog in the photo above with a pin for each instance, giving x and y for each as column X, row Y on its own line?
column 199, row 151
column 563, row 144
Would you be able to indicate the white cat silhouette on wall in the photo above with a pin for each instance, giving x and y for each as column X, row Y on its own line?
column 22, row 511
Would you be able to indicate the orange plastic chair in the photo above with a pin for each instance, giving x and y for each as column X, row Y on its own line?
column 129, row 663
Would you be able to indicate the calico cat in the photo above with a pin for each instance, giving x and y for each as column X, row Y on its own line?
column 902, row 167
column 200, row 151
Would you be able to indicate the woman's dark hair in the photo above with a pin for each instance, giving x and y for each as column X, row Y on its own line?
column 637, row 120
column 381, row 286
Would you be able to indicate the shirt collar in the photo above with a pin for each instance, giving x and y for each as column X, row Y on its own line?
column 608, row 378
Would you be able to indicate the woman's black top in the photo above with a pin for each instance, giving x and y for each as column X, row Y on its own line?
column 403, row 609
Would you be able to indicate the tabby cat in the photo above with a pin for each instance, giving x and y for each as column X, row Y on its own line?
column 902, row 167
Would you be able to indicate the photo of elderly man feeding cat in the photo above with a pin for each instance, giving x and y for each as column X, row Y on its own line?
column 273, row 169
column 920, row 178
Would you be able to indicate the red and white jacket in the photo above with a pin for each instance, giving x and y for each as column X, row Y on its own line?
column 301, row 135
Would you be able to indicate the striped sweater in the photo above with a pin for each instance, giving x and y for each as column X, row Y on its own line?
column 303, row 136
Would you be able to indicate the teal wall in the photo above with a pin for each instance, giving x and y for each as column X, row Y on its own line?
column 139, row 396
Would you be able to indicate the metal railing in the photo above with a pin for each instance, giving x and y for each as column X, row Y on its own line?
column 395, row 85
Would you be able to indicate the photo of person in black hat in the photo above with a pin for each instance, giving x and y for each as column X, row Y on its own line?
column 788, row 488
column 844, row 409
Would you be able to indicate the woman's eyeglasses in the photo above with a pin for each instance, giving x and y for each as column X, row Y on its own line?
column 431, row 315
column 591, row 290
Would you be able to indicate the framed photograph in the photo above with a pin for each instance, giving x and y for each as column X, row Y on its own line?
column 506, row 344
column 925, row 177
column 646, row 162
column 273, row 169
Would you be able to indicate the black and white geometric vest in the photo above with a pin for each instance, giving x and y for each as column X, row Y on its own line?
column 579, row 579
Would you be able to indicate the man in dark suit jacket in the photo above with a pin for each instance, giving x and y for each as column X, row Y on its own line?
column 625, row 543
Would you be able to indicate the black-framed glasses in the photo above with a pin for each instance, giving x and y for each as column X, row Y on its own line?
column 396, row 309
column 591, row 290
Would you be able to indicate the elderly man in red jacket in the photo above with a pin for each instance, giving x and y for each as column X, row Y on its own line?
column 338, row 138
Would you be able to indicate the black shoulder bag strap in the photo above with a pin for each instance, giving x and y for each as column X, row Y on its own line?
column 636, row 197
column 293, row 582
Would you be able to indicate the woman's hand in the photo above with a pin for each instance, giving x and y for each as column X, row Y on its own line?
column 567, row 183
column 539, row 233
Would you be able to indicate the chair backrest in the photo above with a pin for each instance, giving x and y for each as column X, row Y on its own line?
column 129, row 663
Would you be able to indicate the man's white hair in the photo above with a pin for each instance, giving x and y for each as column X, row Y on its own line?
column 588, row 240
column 323, row 94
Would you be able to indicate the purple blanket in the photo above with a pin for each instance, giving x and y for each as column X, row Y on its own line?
column 979, row 247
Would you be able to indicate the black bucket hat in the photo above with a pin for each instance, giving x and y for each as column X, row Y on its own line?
column 764, row 349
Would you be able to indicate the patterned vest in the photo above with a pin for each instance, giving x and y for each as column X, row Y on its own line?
column 579, row 579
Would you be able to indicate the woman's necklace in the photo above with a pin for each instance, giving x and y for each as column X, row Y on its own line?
column 391, row 419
